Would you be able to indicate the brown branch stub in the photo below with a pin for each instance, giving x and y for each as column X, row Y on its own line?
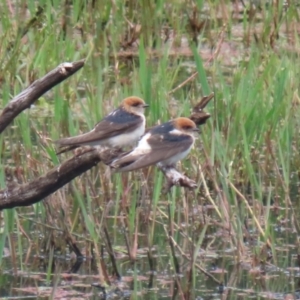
column 27, row 97
column 199, row 116
column 176, row 178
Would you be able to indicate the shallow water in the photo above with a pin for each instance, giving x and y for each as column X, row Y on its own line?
column 264, row 277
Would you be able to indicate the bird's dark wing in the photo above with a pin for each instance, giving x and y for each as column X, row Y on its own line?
column 117, row 122
column 162, row 148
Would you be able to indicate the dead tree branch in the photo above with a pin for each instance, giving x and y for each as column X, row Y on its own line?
column 199, row 116
column 26, row 98
column 41, row 187
column 176, row 178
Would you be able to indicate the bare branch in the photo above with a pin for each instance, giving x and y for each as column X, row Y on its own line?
column 176, row 178
column 37, row 89
column 199, row 116
column 41, row 187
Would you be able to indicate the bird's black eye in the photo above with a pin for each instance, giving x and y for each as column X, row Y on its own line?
column 186, row 127
column 136, row 104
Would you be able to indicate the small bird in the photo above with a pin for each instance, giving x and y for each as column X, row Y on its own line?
column 122, row 127
column 165, row 144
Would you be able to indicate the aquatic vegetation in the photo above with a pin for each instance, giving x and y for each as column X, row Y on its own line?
column 242, row 220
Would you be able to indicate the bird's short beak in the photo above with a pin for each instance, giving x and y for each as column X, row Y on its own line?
column 146, row 105
column 196, row 129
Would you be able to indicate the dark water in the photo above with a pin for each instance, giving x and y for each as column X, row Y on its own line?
column 256, row 275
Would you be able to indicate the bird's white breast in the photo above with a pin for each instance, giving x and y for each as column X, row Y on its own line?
column 143, row 146
column 128, row 138
column 143, row 143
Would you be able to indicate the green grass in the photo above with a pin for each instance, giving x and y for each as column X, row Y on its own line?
column 248, row 150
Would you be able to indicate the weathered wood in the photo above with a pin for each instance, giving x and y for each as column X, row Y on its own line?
column 199, row 116
column 27, row 97
column 176, row 178
column 41, row 187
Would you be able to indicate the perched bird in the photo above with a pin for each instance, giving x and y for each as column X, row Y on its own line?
column 122, row 127
column 165, row 144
